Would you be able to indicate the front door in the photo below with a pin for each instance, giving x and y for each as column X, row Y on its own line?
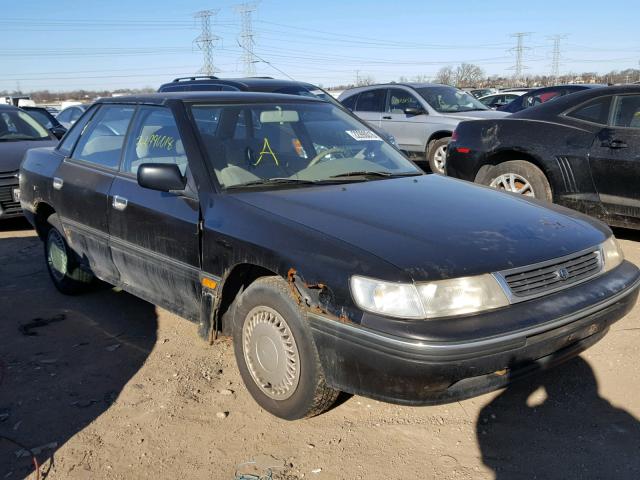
column 154, row 235
column 408, row 128
column 615, row 159
column 81, row 186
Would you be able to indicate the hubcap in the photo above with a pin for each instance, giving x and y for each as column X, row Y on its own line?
column 512, row 182
column 440, row 157
column 271, row 353
column 56, row 255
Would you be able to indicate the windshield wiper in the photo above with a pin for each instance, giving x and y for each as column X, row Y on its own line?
column 273, row 181
column 375, row 173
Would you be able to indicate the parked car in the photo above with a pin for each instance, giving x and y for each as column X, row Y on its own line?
column 68, row 116
column 496, row 100
column 483, row 92
column 287, row 223
column 208, row 83
column 421, row 116
column 542, row 95
column 580, row 151
column 18, row 132
column 47, row 120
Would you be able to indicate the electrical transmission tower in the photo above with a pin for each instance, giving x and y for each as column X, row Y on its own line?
column 556, row 57
column 246, row 37
column 206, row 41
column 519, row 51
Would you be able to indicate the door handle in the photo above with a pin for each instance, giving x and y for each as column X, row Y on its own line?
column 119, row 203
column 614, row 144
column 57, row 183
column 386, row 117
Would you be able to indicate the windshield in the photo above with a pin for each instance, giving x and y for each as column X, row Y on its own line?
column 294, row 143
column 450, row 100
column 41, row 117
column 17, row 125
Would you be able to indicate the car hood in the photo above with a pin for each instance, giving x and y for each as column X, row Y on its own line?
column 11, row 153
column 435, row 227
column 476, row 114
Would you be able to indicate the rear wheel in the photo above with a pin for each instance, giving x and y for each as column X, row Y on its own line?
column 518, row 176
column 437, row 155
column 62, row 263
column 275, row 352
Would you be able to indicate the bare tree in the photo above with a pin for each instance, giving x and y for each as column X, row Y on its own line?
column 468, row 75
column 445, row 76
column 365, row 80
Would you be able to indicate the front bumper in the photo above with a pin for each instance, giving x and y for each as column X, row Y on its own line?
column 416, row 372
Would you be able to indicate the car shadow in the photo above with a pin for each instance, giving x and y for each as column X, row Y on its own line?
column 555, row 425
column 63, row 360
column 626, row 234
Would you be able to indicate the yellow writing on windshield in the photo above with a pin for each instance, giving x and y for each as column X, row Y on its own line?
column 266, row 150
column 157, row 141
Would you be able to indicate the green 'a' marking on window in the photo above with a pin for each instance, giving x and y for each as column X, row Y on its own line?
column 266, row 150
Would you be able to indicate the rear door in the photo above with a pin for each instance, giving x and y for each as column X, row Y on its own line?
column 154, row 235
column 370, row 105
column 615, row 158
column 82, row 181
column 407, row 128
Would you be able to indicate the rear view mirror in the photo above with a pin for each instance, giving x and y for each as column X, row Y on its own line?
column 164, row 177
column 279, row 116
column 58, row 131
column 414, row 111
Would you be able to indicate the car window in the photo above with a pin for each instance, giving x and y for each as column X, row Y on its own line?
column 595, row 111
column 541, row 97
column 101, row 144
column 445, row 99
column 371, row 101
column 64, row 116
column 154, row 138
column 41, row 117
column 306, row 142
column 350, row 102
column 400, row 99
column 75, row 114
column 16, row 125
column 627, row 112
column 69, row 140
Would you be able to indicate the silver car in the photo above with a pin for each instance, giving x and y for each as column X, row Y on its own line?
column 421, row 116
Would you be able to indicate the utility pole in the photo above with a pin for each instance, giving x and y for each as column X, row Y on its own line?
column 556, row 57
column 246, row 37
column 206, row 41
column 519, row 52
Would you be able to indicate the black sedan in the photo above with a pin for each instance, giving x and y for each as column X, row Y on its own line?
column 19, row 132
column 290, row 225
column 581, row 151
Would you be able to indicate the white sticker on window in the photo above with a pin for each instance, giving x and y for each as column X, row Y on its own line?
column 363, row 135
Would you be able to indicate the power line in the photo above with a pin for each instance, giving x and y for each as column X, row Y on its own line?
column 519, row 51
column 206, row 41
column 246, row 37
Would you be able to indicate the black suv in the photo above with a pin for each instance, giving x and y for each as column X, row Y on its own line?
column 287, row 223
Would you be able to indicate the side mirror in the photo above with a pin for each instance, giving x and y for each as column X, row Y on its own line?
column 58, row 132
column 414, row 111
column 164, row 177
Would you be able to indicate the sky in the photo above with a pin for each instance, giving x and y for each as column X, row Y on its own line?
column 68, row 44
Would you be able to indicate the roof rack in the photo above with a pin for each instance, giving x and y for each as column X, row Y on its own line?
column 266, row 78
column 195, row 77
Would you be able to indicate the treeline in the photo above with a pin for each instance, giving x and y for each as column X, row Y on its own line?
column 45, row 96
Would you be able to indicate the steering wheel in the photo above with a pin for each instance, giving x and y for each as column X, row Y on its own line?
column 321, row 155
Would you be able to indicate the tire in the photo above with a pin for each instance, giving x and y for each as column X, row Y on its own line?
column 518, row 176
column 62, row 263
column 436, row 155
column 268, row 320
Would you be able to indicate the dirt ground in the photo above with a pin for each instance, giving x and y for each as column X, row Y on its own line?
column 109, row 386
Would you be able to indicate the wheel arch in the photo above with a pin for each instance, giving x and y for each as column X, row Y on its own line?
column 509, row 155
column 43, row 211
column 438, row 135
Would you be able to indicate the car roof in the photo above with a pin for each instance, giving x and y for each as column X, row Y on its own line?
column 247, row 83
column 565, row 102
column 161, row 98
column 4, row 106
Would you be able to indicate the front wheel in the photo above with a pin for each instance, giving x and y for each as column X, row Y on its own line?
column 518, row 176
column 275, row 352
column 437, row 155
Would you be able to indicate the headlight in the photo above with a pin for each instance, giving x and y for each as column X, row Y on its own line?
column 612, row 255
column 443, row 298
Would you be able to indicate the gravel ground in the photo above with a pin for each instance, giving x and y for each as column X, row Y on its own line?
column 108, row 386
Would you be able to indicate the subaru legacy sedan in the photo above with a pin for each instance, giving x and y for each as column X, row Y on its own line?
column 288, row 224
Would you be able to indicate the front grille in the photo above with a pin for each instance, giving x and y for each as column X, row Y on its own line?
column 7, row 205
column 550, row 276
